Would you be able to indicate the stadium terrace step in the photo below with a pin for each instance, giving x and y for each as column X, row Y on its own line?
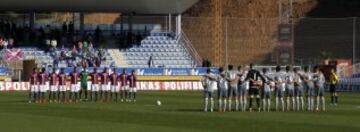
column 118, row 57
column 165, row 50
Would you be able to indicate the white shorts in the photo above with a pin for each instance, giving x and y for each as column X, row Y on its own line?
column 115, row 88
column 95, row 87
column 62, row 88
column 124, row 88
column 105, row 87
column 75, row 87
column 43, row 88
column 133, row 89
column 53, row 88
column 34, row 88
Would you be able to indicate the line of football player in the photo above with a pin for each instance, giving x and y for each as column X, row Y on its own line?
column 105, row 86
column 289, row 89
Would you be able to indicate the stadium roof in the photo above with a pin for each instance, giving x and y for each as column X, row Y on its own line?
column 123, row 6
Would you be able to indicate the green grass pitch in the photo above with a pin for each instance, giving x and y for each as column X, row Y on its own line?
column 181, row 111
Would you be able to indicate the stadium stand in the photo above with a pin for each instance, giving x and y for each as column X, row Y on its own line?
column 62, row 57
column 165, row 51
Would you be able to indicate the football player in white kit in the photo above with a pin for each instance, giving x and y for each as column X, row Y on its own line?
column 299, row 90
column 233, row 78
column 266, row 90
column 309, row 84
column 209, row 86
column 279, row 88
column 319, row 81
column 222, row 90
column 290, row 91
column 243, row 88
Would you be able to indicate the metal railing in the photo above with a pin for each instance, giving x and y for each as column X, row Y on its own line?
column 184, row 40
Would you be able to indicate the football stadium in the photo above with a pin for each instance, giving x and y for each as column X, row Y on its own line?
column 179, row 65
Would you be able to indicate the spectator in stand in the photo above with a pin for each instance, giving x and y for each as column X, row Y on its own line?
column 2, row 26
column 48, row 42
column 151, row 62
column 7, row 28
column 11, row 43
column 138, row 38
column 47, row 30
column 53, row 43
column 64, row 27
column 71, row 27
column 85, row 45
column 5, row 44
column 1, row 42
column 97, row 34
column 74, row 52
column 13, row 27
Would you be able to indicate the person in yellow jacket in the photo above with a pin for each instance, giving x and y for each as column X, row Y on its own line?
column 333, row 81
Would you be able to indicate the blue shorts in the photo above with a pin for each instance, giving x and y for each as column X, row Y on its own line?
column 208, row 94
column 279, row 92
column 310, row 90
column 319, row 91
column 290, row 92
column 265, row 94
column 299, row 91
column 223, row 93
column 232, row 91
column 242, row 90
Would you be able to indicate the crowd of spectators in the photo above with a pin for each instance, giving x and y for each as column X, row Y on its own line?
column 82, row 54
column 65, row 44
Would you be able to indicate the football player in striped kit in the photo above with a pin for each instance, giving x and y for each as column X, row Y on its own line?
column 290, row 91
column 309, row 84
column 42, row 84
column 75, row 85
column 62, row 86
column 94, row 85
column 105, row 87
column 279, row 88
column 266, row 90
column 54, row 88
column 319, row 81
column 233, row 78
column 34, row 86
column 132, row 86
column 209, row 84
column 114, row 80
column 124, row 86
column 222, row 90
column 299, row 90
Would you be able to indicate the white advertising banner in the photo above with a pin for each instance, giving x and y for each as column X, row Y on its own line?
column 141, row 85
